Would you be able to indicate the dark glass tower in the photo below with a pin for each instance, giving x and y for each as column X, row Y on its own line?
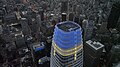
column 67, row 46
column 114, row 15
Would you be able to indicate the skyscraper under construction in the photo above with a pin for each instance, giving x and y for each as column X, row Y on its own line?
column 67, row 45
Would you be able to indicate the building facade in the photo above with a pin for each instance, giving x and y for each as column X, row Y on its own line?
column 67, row 45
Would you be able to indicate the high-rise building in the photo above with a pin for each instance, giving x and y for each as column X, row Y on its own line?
column 71, row 16
column 114, row 15
column 92, row 52
column 64, row 16
column 67, row 45
column 64, row 6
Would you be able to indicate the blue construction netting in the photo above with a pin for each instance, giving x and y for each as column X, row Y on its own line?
column 39, row 49
column 67, row 35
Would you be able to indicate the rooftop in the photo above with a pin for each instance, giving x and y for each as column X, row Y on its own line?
column 68, row 26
